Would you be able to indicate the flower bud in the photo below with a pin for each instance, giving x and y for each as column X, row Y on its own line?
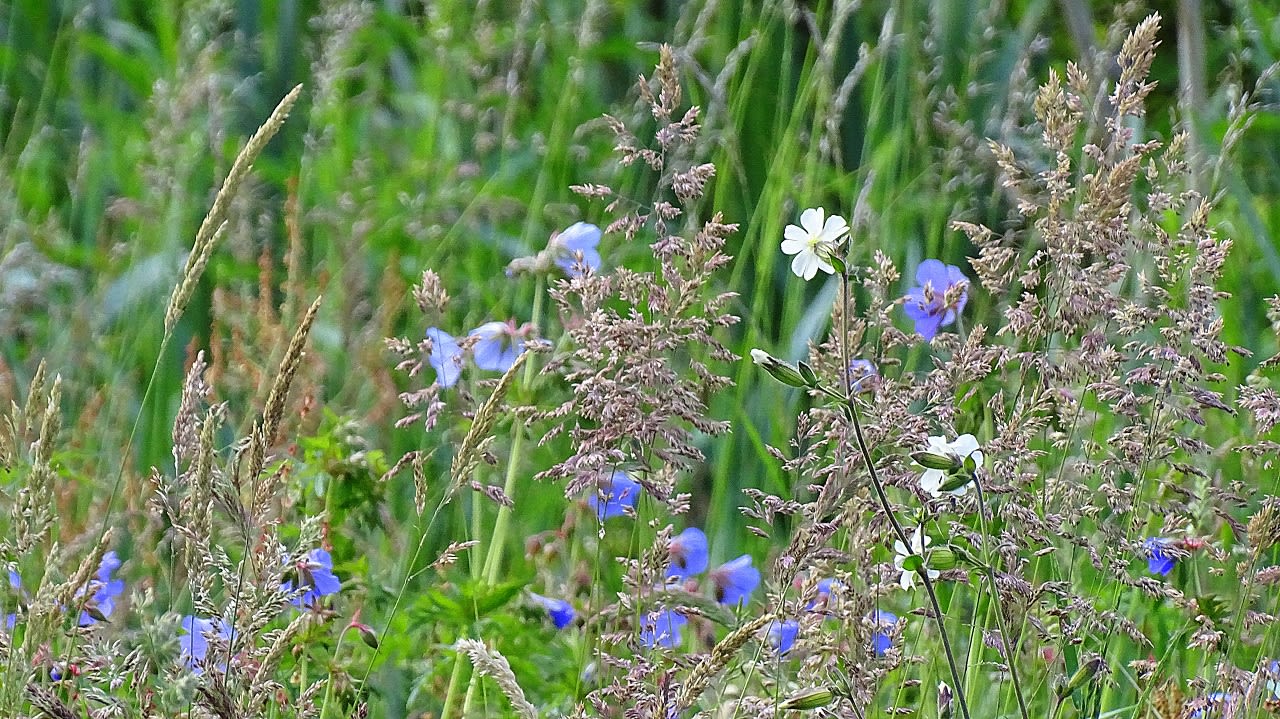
column 784, row 372
column 809, row 699
column 932, row 460
column 942, row 558
column 1088, row 668
column 806, row 372
column 956, row 481
column 944, row 701
column 367, row 635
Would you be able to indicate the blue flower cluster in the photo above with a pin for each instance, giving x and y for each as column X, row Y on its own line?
column 496, row 347
column 732, row 582
column 497, row 344
column 781, row 635
column 102, row 592
column 316, row 580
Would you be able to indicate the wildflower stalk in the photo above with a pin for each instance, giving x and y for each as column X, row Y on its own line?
column 850, row 409
column 455, row 683
column 999, row 605
column 328, row 686
column 503, row 523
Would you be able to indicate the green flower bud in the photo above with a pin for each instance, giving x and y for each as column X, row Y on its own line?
column 784, row 372
column 809, row 699
column 942, row 558
column 1088, row 668
column 930, row 460
column 806, row 372
column 956, row 481
column 367, row 635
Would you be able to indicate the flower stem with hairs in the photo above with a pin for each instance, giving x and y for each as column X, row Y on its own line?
column 847, row 403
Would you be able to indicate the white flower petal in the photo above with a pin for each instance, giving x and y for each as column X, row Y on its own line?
column 812, row 220
column 908, row 581
column 939, row 445
column 805, row 265
column 793, row 246
column 931, row 480
column 825, row 266
column 796, row 233
column 835, row 228
column 965, row 445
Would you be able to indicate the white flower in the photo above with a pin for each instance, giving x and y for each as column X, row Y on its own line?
column 918, row 543
column 964, row 447
column 759, row 356
column 813, row 242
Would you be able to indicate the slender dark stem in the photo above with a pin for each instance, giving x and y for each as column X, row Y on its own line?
column 928, row 583
column 995, row 595
column 852, row 412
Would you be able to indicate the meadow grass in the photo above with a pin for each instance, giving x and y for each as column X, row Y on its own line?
column 433, row 144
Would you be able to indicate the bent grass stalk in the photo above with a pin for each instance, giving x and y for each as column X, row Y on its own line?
column 206, row 240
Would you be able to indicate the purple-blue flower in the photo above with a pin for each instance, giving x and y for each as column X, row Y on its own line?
column 497, row 346
column 781, row 636
column 446, row 356
column 735, row 580
column 688, row 551
column 661, row 628
column 824, row 589
column 884, row 621
column 861, row 374
column 612, row 500
column 581, row 237
column 316, row 578
column 560, row 611
column 15, row 583
column 105, row 590
column 194, row 640
column 927, row 302
column 1159, row 561
column 1217, row 704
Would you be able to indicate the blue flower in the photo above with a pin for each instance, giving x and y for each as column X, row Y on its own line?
column 316, row 577
column 105, row 590
column 824, row 588
column 781, row 636
column 1217, row 704
column 194, row 640
column 735, row 580
column 861, row 375
column 662, row 629
column 581, row 237
column 927, row 304
column 621, row 493
column 560, row 611
column 688, row 552
column 497, row 346
column 446, row 356
column 881, row 640
column 15, row 583
column 1158, row 560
